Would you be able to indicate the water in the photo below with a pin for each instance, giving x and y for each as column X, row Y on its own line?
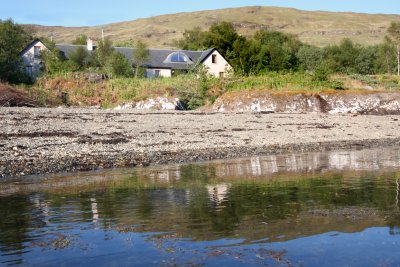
column 315, row 209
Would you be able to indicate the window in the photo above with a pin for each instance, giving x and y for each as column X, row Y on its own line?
column 214, row 59
column 178, row 57
column 36, row 51
column 157, row 73
column 221, row 74
column 29, row 70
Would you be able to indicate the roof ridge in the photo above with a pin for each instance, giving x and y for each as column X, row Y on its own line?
column 155, row 49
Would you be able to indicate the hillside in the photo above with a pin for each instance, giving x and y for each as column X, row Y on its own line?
column 313, row 27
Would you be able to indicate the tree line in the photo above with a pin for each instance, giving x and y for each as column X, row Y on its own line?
column 276, row 51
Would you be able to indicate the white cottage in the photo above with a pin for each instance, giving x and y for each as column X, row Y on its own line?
column 31, row 60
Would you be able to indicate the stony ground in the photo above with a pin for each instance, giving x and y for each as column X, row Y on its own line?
column 38, row 140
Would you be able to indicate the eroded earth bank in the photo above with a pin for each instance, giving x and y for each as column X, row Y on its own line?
column 38, row 140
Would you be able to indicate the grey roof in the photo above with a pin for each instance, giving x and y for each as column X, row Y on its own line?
column 156, row 58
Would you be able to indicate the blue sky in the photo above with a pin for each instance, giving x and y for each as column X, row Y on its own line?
column 88, row 13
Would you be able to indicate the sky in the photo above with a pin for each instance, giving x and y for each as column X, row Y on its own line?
column 90, row 13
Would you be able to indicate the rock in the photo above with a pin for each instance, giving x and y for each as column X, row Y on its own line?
column 158, row 103
column 95, row 77
column 376, row 103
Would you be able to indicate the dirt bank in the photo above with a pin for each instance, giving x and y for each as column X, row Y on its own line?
column 35, row 141
column 11, row 97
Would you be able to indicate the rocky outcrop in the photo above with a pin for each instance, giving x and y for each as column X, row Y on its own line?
column 158, row 103
column 332, row 102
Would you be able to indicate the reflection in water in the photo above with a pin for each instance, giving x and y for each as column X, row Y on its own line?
column 284, row 210
column 217, row 193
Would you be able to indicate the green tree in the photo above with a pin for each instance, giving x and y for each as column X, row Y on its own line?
column 80, row 57
column 281, row 49
column 384, row 60
column 54, row 61
column 365, row 60
column 310, row 57
column 13, row 39
column 103, row 52
column 245, row 56
column 119, row 66
column 80, row 40
column 192, row 39
column 140, row 56
column 394, row 32
column 221, row 36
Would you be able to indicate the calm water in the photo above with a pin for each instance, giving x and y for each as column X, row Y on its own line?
column 316, row 209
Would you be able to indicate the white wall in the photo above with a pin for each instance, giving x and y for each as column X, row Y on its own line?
column 151, row 73
column 220, row 66
column 29, row 59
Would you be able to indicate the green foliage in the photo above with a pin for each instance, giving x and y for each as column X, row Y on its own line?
column 54, row 61
column 140, row 56
column 103, row 52
column 13, row 39
column 221, row 36
column 310, row 57
column 126, row 43
column 276, row 51
column 80, row 57
column 267, row 51
column 386, row 52
column 192, row 39
column 80, row 40
column 281, row 49
column 365, row 60
column 284, row 82
column 119, row 66
column 394, row 32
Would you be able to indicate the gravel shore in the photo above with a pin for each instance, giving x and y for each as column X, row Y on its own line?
column 39, row 140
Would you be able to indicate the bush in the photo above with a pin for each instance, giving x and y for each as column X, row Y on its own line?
column 119, row 66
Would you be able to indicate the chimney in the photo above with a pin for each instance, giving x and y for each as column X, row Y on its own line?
column 90, row 44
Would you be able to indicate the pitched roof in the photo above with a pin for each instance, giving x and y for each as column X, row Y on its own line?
column 29, row 46
column 156, row 59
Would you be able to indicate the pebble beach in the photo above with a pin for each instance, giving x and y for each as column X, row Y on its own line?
column 36, row 141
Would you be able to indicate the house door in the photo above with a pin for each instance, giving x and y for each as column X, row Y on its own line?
column 29, row 71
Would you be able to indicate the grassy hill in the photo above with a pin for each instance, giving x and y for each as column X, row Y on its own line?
column 313, row 27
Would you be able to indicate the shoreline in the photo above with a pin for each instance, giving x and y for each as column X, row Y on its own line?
column 42, row 141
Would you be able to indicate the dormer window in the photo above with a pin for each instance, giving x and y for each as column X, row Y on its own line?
column 36, row 51
column 177, row 57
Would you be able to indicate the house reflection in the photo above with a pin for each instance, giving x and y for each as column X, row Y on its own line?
column 217, row 193
column 264, row 166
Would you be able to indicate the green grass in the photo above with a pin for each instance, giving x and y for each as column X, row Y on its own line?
column 190, row 89
column 297, row 81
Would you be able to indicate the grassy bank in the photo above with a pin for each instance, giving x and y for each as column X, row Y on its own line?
column 194, row 91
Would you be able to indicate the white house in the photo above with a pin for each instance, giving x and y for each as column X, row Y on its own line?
column 31, row 60
column 161, row 62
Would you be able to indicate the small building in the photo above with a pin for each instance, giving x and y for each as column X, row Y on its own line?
column 161, row 62
column 31, row 61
